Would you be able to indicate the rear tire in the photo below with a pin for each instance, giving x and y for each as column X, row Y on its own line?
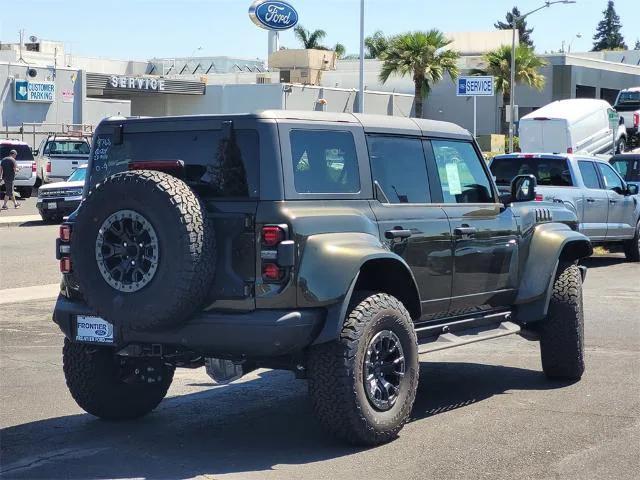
column 342, row 384
column 24, row 192
column 562, row 332
column 622, row 146
column 632, row 247
column 92, row 374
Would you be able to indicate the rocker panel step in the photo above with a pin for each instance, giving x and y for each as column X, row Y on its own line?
column 464, row 337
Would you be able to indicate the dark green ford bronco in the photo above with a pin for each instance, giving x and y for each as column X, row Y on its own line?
column 340, row 247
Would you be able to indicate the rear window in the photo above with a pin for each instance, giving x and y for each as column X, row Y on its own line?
column 628, row 168
column 214, row 165
column 67, row 147
column 548, row 171
column 628, row 101
column 324, row 161
column 24, row 152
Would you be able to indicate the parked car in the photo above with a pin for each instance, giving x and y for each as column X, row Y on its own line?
column 26, row 175
column 57, row 200
column 571, row 126
column 338, row 246
column 58, row 157
column 628, row 166
column 628, row 106
column 606, row 205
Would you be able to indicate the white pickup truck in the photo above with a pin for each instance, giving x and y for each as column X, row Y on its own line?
column 59, row 156
column 628, row 107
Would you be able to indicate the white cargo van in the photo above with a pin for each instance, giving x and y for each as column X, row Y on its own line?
column 579, row 125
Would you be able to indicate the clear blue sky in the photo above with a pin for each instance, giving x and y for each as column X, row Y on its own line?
column 141, row 29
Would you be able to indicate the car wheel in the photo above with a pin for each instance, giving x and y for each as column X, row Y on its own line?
column 108, row 386
column 363, row 385
column 632, row 247
column 24, row 192
column 622, row 146
column 562, row 331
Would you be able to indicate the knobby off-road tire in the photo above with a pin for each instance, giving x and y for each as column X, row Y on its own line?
column 337, row 371
column 562, row 332
column 176, row 235
column 92, row 378
column 632, row 247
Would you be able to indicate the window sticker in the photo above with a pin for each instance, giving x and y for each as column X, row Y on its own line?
column 453, row 179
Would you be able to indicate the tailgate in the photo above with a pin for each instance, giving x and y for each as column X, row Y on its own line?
column 62, row 166
column 25, row 170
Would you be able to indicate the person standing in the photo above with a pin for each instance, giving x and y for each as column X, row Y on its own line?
column 8, row 169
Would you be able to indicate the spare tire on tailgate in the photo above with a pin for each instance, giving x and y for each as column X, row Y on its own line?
column 143, row 250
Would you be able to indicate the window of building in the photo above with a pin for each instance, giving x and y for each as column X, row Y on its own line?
column 324, row 161
column 462, row 178
column 398, row 165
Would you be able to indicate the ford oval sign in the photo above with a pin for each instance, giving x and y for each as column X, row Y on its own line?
column 273, row 14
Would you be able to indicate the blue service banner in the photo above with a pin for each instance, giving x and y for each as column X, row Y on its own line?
column 475, row 86
column 26, row 91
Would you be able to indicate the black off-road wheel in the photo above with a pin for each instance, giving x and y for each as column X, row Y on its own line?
column 102, row 384
column 632, row 247
column 363, row 385
column 145, row 254
column 562, row 332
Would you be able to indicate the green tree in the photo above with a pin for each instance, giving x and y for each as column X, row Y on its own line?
column 310, row 39
column 608, row 36
column 524, row 33
column 340, row 50
column 376, row 44
column 498, row 65
column 423, row 56
column 637, row 45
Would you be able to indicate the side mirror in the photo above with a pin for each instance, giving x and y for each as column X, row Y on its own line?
column 523, row 188
column 35, row 152
column 632, row 189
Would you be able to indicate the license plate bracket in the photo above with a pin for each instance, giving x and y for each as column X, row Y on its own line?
column 52, row 205
column 93, row 329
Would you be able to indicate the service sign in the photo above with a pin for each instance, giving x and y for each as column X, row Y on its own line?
column 137, row 83
column 26, row 91
column 273, row 15
column 475, row 87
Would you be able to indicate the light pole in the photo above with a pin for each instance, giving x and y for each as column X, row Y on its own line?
column 361, row 81
column 512, row 82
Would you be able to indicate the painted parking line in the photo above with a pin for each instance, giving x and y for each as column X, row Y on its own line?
column 27, row 294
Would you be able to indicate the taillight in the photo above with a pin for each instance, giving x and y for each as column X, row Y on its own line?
column 272, row 236
column 65, row 265
column 33, row 167
column 570, row 150
column 48, row 166
column 272, row 272
column 539, row 197
column 636, row 120
column 65, row 232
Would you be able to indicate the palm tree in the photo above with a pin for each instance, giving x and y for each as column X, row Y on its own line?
column 423, row 56
column 340, row 50
column 310, row 39
column 376, row 44
column 498, row 65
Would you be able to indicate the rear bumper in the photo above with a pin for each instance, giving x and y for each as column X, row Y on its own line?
column 261, row 333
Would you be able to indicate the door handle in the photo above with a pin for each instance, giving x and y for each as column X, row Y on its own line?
column 591, row 200
column 462, row 231
column 398, row 233
column 613, row 201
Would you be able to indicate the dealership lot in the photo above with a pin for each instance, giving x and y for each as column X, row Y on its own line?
column 482, row 411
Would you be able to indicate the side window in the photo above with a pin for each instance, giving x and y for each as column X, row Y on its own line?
column 47, row 148
column 324, row 161
column 589, row 174
column 610, row 177
column 462, row 177
column 399, row 166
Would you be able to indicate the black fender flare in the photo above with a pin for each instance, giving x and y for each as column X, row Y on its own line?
column 550, row 243
column 329, row 271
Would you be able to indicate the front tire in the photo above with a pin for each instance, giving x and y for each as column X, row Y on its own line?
column 363, row 385
column 632, row 247
column 94, row 378
column 562, row 332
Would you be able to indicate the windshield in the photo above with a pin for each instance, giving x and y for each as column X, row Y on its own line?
column 548, row 171
column 628, row 101
column 24, row 152
column 78, row 176
column 67, row 147
column 628, row 168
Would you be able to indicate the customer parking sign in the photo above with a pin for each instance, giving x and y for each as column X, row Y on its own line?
column 26, row 91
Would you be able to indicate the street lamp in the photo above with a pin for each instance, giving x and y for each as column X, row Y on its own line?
column 514, row 22
column 361, row 81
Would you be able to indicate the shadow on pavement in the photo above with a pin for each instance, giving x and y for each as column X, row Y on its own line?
column 603, row 261
column 247, row 427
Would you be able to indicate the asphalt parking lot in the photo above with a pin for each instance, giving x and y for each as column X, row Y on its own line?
column 482, row 411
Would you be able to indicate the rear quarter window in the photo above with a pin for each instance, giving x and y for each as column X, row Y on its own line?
column 24, row 152
column 548, row 171
column 214, row 165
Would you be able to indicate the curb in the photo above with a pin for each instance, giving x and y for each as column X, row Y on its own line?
column 23, row 220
